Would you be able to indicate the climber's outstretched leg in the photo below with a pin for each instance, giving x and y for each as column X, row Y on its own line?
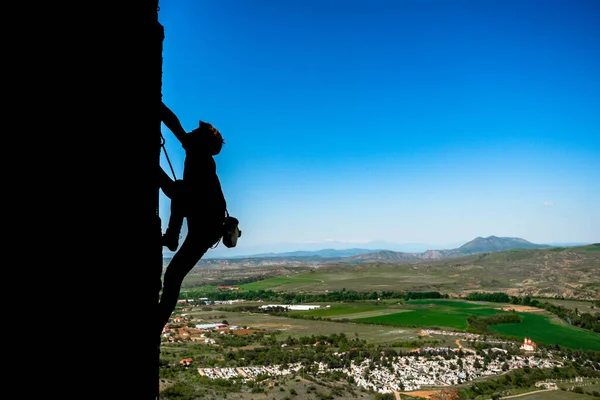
column 201, row 236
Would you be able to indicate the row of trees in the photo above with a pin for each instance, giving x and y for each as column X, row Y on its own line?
column 294, row 298
column 574, row 317
column 497, row 297
column 480, row 325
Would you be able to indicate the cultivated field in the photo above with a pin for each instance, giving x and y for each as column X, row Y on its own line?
column 554, row 395
column 282, row 284
column 359, row 278
column 302, row 327
column 440, row 313
column 542, row 329
column 453, row 314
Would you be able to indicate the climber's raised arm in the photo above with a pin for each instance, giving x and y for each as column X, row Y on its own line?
column 171, row 121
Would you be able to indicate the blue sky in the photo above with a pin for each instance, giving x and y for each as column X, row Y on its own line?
column 406, row 121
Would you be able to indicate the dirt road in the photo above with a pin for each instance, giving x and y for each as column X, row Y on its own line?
column 464, row 348
column 525, row 394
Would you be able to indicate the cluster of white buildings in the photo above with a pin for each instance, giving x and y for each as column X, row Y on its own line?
column 248, row 373
column 404, row 373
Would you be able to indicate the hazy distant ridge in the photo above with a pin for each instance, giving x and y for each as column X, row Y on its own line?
column 477, row 245
column 319, row 253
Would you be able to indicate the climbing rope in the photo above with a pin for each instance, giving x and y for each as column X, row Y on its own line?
column 162, row 144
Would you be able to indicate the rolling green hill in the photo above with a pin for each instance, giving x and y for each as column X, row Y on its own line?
column 572, row 272
column 494, row 243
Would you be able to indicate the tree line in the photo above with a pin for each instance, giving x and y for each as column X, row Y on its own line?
column 335, row 296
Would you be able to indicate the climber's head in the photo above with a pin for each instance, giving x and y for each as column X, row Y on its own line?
column 210, row 137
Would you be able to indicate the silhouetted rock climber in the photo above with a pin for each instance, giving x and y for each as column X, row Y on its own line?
column 198, row 198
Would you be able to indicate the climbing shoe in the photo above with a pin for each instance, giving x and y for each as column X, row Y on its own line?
column 170, row 241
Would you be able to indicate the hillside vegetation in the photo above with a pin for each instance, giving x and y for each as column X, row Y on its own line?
column 556, row 272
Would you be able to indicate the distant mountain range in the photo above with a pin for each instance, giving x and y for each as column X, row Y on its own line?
column 477, row 245
column 565, row 271
column 325, row 253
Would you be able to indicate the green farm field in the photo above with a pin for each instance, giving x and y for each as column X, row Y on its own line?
column 555, row 395
column 359, row 278
column 450, row 314
column 345, row 310
column 541, row 329
column 353, row 311
column 281, row 283
column 453, row 314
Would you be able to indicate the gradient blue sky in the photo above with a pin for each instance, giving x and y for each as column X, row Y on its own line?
column 429, row 121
